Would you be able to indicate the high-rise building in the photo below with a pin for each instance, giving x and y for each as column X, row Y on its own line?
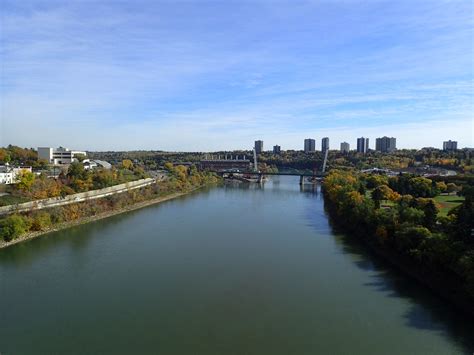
column 59, row 155
column 276, row 149
column 345, row 147
column 324, row 144
column 450, row 146
column 362, row 145
column 386, row 144
column 258, row 147
column 309, row 145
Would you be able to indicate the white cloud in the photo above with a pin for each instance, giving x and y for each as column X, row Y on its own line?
column 199, row 77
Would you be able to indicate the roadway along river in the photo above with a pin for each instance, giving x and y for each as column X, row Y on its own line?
column 231, row 270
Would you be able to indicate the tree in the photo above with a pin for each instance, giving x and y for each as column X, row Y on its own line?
column 127, row 164
column 13, row 226
column 41, row 221
column 25, row 180
column 467, row 192
column 409, row 237
column 374, row 180
column 103, row 178
column 377, row 196
column 44, row 187
column 4, row 155
column 451, row 187
column 383, row 192
column 169, row 166
column 431, row 212
column 441, row 186
column 76, row 171
column 464, row 220
column 421, row 187
column 80, row 157
column 411, row 215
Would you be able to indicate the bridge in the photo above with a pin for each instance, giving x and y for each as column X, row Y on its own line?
column 260, row 176
column 239, row 168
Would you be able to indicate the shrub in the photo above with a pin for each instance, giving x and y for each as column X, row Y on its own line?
column 13, row 226
column 41, row 220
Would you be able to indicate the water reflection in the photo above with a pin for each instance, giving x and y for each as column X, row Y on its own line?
column 311, row 188
column 259, row 267
column 427, row 311
column 77, row 238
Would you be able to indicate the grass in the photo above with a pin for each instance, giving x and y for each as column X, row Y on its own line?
column 12, row 200
column 447, row 202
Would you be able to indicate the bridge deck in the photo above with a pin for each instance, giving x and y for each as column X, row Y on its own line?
column 268, row 174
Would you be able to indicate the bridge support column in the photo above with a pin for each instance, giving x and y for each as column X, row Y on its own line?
column 301, row 179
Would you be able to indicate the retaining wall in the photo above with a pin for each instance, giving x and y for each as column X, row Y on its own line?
column 79, row 197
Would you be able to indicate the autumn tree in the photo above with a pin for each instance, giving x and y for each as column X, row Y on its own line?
column 127, row 164
column 25, row 180
column 4, row 156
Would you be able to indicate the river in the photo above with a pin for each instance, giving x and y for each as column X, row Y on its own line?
column 229, row 270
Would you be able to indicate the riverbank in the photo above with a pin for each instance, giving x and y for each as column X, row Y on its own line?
column 443, row 286
column 407, row 233
column 448, row 287
column 96, row 217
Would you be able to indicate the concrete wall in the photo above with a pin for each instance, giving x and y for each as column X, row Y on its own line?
column 79, row 197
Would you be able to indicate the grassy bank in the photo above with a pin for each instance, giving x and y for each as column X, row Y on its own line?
column 447, row 203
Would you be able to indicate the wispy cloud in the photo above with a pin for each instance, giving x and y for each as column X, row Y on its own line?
column 198, row 76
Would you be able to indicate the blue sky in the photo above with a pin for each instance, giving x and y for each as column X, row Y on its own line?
column 204, row 76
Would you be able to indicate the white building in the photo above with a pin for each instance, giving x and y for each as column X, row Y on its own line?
column 58, row 156
column 93, row 164
column 8, row 175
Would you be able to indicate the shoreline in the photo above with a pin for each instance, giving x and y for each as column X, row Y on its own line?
column 64, row 225
column 436, row 283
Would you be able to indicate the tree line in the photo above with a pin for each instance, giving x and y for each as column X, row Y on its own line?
column 408, row 227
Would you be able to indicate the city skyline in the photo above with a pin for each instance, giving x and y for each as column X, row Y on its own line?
column 207, row 77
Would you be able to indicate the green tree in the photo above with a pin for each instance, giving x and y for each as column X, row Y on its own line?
column 421, row 187
column 411, row 215
column 431, row 212
column 13, row 226
column 76, row 171
column 25, row 180
column 464, row 218
column 409, row 237
column 80, row 157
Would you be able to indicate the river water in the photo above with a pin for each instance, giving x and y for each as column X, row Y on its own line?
column 230, row 270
